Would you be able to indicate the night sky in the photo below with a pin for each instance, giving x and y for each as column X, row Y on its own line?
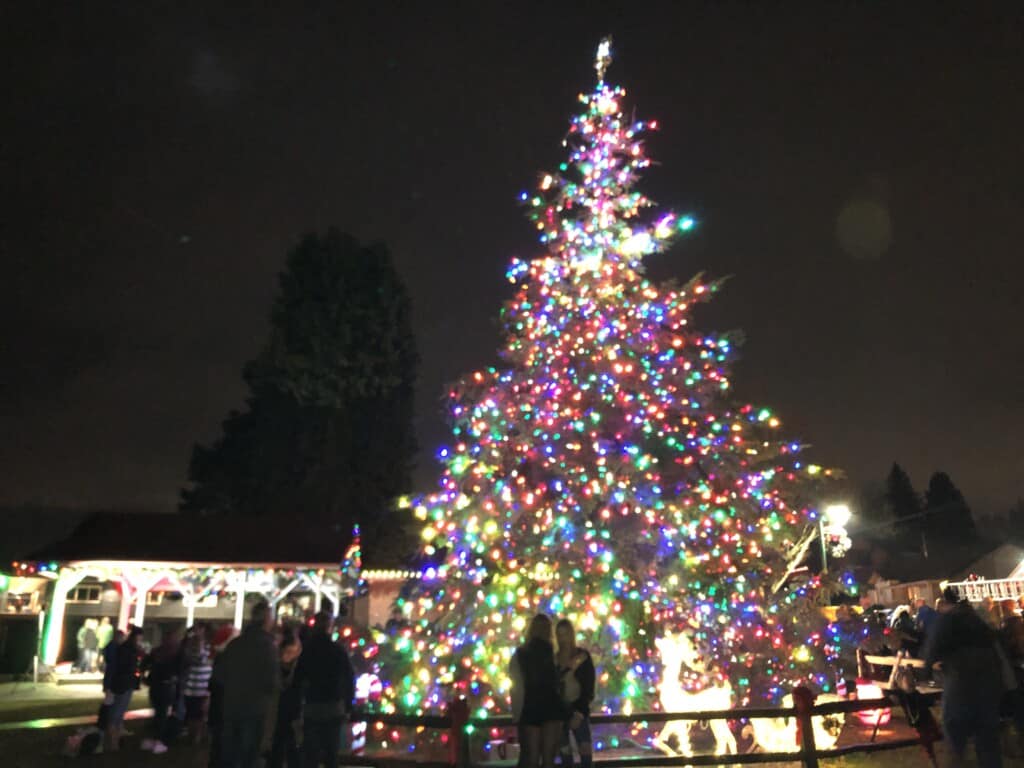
column 858, row 170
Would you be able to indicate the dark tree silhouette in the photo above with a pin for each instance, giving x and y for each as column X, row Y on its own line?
column 873, row 508
column 1015, row 520
column 902, row 502
column 948, row 515
column 327, row 432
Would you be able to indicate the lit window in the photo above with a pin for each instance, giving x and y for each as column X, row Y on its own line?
column 84, row 594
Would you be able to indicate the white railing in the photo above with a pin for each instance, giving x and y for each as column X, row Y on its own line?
column 997, row 589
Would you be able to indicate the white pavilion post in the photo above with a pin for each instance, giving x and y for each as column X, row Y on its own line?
column 141, row 590
column 333, row 593
column 67, row 579
column 316, row 582
column 186, row 588
column 144, row 580
column 125, row 607
column 239, row 584
column 190, row 609
column 140, row 606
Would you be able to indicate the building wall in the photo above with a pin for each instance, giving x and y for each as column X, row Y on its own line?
column 381, row 598
column 158, row 619
column 170, row 613
column 894, row 594
column 373, row 609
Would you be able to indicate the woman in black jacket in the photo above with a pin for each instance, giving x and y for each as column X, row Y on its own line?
column 576, row 668
column 535, row 679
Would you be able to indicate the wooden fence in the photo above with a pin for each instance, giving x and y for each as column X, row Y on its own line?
column 462, row 727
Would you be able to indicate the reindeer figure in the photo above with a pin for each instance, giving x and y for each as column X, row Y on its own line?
column 675, row 651
column 778, row 734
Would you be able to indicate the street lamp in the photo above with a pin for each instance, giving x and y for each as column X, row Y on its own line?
column 832, row 520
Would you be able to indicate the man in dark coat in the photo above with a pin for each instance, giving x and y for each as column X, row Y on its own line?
column 966, row 648
column 250, row 675
column 327, row 681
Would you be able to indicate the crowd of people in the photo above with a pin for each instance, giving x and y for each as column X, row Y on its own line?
column 91, row 637
column 975, row 654
column 552, row 691
column 982, row 665
column 275, row 696
column 279, row 695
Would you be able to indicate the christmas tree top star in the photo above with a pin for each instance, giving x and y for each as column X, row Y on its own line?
column 587, row 212
column 604, row 58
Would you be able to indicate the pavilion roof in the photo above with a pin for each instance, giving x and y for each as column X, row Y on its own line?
column 194, row 539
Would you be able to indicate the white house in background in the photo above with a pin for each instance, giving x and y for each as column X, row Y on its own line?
column 999, row 575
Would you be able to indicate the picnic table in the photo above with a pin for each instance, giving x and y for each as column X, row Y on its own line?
column 897, row 661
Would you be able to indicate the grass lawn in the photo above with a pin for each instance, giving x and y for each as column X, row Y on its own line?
column 23, row 701
column 41, row 747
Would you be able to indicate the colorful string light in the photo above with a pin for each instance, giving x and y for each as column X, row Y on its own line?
column 604, row 472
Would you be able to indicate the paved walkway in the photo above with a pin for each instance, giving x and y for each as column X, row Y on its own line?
column 28, row 694
column 62, row 722
column 49, row 705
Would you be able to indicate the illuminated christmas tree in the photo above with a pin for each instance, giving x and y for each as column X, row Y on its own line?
column 605, row 472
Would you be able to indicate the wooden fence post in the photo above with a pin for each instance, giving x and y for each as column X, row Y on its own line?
column 458, row 746
column 803, row 700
